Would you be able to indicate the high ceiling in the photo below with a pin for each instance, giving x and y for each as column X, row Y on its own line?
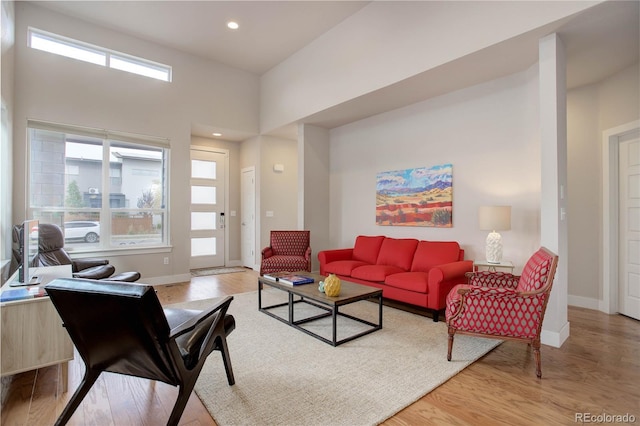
column 599, row 42
column 270, row 31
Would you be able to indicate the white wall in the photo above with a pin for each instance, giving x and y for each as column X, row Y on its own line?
column 314, row 198
column 278, row 191
column 387, row 42
column 489, row 133
column 54, row 88
column 584, row 186
column 593, row 109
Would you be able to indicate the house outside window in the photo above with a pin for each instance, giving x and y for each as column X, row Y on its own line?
column 105, row 190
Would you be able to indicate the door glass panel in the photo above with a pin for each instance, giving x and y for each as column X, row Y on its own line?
column 203, row 169
column 203, row 195
column 203, row 220
column 203, row 246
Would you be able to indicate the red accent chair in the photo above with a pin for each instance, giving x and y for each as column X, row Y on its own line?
column 287, row 251
column 504, row 306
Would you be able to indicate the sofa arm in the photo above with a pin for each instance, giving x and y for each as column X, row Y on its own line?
column 307, row 254
column 443, row 278
column 328, row 256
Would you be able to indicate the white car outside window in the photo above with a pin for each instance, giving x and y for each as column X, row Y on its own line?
column 78, row 230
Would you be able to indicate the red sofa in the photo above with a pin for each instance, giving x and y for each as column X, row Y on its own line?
column 416, row 272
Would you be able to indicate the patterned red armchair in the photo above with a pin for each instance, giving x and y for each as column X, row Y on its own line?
column 502, row 305
column 287, row 251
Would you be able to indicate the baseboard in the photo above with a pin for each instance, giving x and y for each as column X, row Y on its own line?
column 167, row 279
column 555, row 338
column 584, row 302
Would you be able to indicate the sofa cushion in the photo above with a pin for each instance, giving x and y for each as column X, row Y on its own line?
column 397, row 252
column 433, row 253
column 367, row 248
column 375, row 273
column 342, row 267
column 413, row 281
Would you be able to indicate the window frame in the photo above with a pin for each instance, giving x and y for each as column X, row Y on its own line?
column 106, row 212
column 152, row 69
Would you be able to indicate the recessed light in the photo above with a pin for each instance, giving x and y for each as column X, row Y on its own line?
column 217, row 134
column 233, row 25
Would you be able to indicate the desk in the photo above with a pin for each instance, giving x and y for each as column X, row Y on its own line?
column 32, row 332
column 479, row 264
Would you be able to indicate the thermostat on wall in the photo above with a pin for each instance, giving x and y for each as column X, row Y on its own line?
column 278, row 167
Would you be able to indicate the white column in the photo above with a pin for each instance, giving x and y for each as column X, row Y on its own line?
column 553, row 202
column 313, row 187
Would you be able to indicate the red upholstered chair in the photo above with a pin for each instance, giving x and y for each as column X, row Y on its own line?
column 502, row 305
column 287, row 251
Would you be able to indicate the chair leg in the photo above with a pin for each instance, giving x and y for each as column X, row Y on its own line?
column 184, row 392
column 90, row 377
column 226, row 359
column 452, row 331
column 536, row 355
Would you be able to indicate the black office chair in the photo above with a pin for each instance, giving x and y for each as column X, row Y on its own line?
column 122, row 328
column 51, row 252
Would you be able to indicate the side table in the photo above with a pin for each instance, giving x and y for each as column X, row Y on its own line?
column 32, row 331
column 479, row 265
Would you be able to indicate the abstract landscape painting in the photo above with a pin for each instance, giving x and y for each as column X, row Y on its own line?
column 415, row 197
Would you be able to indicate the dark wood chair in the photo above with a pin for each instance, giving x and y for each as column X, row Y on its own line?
column 122, row 328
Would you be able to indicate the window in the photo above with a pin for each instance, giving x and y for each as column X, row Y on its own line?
column 105, row 190
column 75, row 49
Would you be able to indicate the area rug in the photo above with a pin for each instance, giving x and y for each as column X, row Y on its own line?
column 215, row 271
column 285, row 377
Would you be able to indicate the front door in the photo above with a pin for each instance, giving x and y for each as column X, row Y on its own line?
column 629, row 227
column 207, row 208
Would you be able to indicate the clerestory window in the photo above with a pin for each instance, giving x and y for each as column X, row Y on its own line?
column 64, row 46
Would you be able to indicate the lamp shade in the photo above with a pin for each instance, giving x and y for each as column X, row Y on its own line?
column 494, row 218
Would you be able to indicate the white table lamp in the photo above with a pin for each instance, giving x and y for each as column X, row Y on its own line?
column 494, row 218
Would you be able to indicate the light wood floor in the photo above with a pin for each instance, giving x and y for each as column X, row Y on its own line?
column 596, row 371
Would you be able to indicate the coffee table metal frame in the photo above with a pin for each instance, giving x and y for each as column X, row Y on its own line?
column 309, row 294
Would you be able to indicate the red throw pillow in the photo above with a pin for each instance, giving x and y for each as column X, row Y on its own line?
column 397, row 252
column 434, row 253
column 367, row 248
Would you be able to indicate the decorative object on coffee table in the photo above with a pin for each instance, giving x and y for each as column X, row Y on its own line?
column 332, row 286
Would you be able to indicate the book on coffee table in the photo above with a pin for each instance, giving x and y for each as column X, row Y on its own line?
column 294, row 279
column 275, row 276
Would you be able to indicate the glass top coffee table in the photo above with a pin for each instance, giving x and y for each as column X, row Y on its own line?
column 309, row 294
